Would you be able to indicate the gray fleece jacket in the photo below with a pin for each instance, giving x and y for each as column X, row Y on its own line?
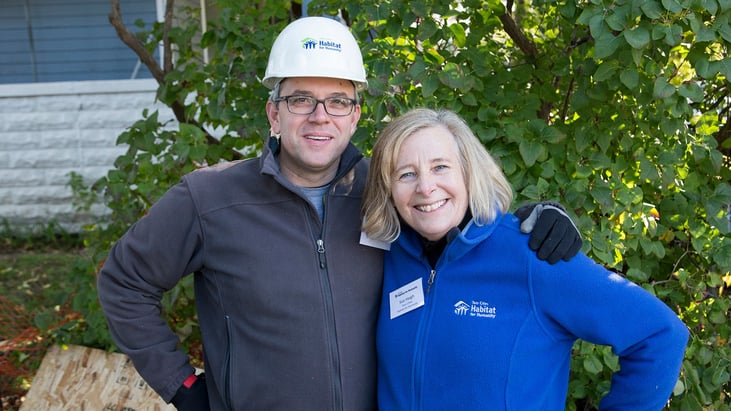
column 286, row 303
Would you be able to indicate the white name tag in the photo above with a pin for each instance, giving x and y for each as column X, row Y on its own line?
column 370, row 242
column 406, row 298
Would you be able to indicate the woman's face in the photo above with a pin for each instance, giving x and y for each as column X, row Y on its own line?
column 429, row 190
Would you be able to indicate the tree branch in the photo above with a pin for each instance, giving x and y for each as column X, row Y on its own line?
column 134, row 43
column 128, row 38
column 521, row 40
column 528, row 48
column 166, row 44
column 722, row 135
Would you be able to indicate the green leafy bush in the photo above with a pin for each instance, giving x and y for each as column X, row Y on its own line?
column 617, row 109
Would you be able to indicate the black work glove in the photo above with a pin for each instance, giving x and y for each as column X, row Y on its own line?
column 194, row 398
column 553, row 235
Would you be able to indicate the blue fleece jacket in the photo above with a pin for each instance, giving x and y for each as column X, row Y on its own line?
column 497, row 327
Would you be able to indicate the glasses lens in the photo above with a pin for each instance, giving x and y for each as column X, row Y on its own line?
column 335, row 106
column 338, row 106
column 301, row 104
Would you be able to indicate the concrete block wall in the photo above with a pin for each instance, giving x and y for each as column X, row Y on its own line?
column 48, row 130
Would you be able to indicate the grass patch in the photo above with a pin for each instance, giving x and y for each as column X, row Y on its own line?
column 36, row 267
column 36, row 263
column 37, row 278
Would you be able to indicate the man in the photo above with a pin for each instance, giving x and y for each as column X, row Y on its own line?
column 286, row 295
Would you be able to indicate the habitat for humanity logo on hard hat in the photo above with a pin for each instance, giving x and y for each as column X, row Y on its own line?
column 308, row 43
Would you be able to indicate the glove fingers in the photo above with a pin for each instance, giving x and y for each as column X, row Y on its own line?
column 554, row 236
column 553, row 246
column 561, row 244
column 573, row 250
column 541, row 230
column 524, row 211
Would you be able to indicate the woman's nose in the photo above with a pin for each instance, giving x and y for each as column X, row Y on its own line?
column 425, row 185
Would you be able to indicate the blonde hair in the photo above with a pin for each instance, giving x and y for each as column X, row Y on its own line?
column 488, row 188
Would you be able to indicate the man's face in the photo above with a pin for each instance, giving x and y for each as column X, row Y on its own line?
column 311, row 144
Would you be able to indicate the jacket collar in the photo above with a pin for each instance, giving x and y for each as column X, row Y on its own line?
column 467, row 239
column 269, row 160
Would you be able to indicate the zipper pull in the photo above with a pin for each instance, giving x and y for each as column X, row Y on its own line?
column 431, row 280
column 321, row 252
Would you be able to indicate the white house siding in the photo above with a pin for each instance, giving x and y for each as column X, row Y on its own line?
column 48, row 130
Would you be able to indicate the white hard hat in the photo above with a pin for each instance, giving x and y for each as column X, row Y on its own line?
column 315, row 47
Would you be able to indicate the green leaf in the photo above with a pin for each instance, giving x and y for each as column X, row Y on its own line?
column 725, row 31
column 603, row 196
column 638, row 37
column 673, row 35
column 610, row 359
column 535, row 192
column 720, row 375
column 530, row 151
column 567, row 9
column 662, row 89
column 692, row 91
column 630, row 78
column 427, row 29
column 718, row 317
column 583, row 139
column 637, row 275
column 659, row 32
column 552, row 135
column 605, row 45
column 725, row 67
column 710, row 6
column 653, row 248
column 597, row 25
column 496, row 6
column 619, row 18
column 605, row 70
column 469, row 99
column 458, row 32
column 588, row 13
column 592, row 364
column 429, row 84
column 452, row 76
column 637, row 56
column 679, row 388
column 703, row 68
column 652, row 9
column 672, row 6
column 701, row 31
column 418, row 8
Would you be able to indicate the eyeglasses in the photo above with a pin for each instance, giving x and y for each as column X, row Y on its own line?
column 335, row 106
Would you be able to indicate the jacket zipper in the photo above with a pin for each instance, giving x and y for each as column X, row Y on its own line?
column 430, row 281
column 421, row 340
column 321, row 252
column 227, row 371
column 337, row 395
column 330, row 309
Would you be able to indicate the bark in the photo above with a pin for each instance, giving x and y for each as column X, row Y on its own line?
column 129, row 38
column 158, row 73
column 515, row 33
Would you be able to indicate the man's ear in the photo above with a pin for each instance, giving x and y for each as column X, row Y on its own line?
column 356, row 118
column 273, row 116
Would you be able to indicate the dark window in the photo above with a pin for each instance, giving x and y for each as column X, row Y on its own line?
column 68, row 40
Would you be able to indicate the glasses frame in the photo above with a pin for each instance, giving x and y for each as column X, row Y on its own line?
column 353, row 103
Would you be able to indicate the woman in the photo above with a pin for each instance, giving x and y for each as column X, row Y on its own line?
column 470, row 318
